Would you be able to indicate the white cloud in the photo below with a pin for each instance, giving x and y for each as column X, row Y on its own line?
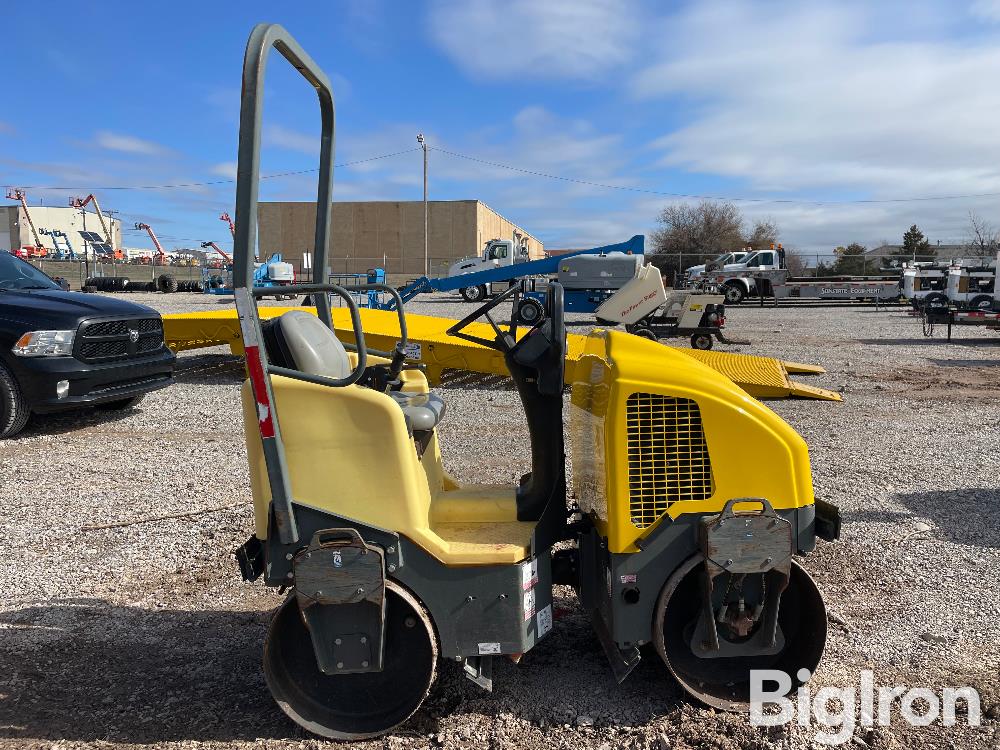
column 811, row 102
column 581, row 39
column 225, row 169
column 987, row 9
column 129, row 144
column 292, row 140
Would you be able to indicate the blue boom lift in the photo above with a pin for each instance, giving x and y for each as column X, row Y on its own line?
column 529, row 309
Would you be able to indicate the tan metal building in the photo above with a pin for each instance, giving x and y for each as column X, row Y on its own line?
column 387, row 233
column 15, row 231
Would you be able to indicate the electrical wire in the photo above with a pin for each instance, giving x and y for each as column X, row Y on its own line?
column 216, row 182
column 737, row 199
column 549, row 176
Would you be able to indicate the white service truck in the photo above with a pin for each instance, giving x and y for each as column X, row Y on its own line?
column 693, row 274
column 495, row 254
column 762, row 274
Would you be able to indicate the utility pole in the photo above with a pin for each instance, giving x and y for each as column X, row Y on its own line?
column 111, row 224
column 423, row 144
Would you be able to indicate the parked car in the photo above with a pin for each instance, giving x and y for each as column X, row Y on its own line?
column 63, row 350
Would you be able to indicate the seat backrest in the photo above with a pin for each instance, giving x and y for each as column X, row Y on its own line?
column 307, row 345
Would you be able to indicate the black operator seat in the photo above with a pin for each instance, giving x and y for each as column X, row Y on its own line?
column 300, row 341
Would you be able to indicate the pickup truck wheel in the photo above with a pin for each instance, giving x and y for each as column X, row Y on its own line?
column 734, row 294
column 123, row 403
column 473, row 293
column 14, row 410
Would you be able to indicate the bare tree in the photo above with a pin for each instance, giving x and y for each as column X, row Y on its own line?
column 763, row 234
column 794, row 262
column 983, row 238
column 704, row 229
column 693, row 233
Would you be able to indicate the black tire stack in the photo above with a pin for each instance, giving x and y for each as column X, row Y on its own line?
column 165, row 282
column 109, row 284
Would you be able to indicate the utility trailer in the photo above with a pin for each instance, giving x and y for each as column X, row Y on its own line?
column 974, row 287
column 932, row 316
column 964, row 283
column 529, row 307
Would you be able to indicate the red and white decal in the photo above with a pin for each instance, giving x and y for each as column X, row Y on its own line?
column 255, row 367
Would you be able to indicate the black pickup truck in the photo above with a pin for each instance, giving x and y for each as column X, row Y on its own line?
column 66, row 350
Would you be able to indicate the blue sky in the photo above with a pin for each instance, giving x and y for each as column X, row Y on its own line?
column 824, row 103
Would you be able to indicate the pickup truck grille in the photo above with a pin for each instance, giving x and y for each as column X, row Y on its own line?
column 110, row 340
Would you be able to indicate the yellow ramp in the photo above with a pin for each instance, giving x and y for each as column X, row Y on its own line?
column 761, row 377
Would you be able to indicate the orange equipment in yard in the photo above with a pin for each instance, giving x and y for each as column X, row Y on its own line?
column 109, row 238
column 28, row 251
column 160, row 259
column 219, row 250
column 232, row 228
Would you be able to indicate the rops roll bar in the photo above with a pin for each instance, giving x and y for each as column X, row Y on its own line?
column 263, row 38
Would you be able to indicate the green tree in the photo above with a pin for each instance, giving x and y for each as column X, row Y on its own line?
column 915, row 245
column 850, row 260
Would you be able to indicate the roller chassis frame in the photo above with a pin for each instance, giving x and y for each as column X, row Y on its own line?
column 480, row 611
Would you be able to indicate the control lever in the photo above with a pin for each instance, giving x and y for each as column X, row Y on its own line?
column 398, row 362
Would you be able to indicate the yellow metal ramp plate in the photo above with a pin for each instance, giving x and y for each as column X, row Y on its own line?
column 761, row 377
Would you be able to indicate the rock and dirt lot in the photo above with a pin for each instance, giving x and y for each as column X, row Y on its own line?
column 144, row 634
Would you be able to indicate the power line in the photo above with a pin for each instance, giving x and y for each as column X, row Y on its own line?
column 215, row 182
column 549, row 176
column 648, row 191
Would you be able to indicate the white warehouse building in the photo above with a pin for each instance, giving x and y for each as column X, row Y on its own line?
column 56, row 225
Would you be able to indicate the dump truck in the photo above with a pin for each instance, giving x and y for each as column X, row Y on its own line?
column 389, row 564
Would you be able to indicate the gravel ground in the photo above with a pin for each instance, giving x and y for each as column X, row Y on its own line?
column 144, row 635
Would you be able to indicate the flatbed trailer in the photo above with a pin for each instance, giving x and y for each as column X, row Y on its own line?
column 779, row 285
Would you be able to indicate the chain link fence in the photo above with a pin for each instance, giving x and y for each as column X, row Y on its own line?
column 800, row 264
column 806, row 265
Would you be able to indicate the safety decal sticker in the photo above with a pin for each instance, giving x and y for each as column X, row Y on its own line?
column 629, row 578
column 489, row 648
column 544, row 620
column 529, row 574
column 529, row 604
